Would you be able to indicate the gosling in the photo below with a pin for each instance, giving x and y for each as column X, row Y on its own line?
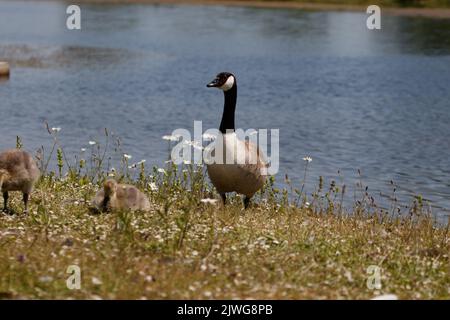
column 116, row 196
column 18, row 172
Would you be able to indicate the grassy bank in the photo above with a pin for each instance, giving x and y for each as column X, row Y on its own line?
column 438, row 9
column 317, row 3
column 384, row 3
column 288, row 245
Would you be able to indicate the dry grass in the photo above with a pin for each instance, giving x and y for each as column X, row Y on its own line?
column 187, row 249
column 302, row 4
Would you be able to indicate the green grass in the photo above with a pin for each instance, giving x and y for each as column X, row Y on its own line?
column 384, row 3
column 280, row 248
column 343, row 3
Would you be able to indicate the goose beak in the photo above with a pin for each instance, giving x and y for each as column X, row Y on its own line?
column 213, row 84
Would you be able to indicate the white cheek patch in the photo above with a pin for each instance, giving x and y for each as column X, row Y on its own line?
column 228, row 84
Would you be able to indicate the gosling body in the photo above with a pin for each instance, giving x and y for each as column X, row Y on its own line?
column 115, row 196
column 18, row 172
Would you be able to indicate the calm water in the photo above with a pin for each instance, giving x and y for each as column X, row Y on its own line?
column 350, row 98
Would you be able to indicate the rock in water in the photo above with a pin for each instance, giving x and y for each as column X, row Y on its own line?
column 4, row 69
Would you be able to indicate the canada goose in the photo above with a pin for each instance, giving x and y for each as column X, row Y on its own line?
column 18, row 172
column 247, row 175
column 116, row 196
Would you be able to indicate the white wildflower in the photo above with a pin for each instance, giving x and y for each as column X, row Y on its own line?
column 153, row 186
column 45, row 279
column 96, row 281
column 386, row 297
column 171, row 138
column 195, row 144
column 127, row 156
column 209, row 136
column 209, row 201
column 56, row 129
column 83, row 149
column 162, row 170
column 207, row 294
column 92, row 143
column 349, row 276
column 307, row 159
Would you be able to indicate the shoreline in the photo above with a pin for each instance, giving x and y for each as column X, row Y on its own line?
column 275, row 249
column 437, row 13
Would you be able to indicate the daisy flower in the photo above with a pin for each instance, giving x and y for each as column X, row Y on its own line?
column 171, row 138
column 209, row 201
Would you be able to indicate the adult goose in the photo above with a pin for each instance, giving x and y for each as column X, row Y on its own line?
column 115, row 196
column 246, row 173
column 18, row 172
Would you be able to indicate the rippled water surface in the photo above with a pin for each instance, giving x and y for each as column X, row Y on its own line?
column 378, row 101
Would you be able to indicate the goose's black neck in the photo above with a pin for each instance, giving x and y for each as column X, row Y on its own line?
column 227, row 123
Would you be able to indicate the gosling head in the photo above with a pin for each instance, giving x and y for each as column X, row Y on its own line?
column 224, row 81
column 109, row 187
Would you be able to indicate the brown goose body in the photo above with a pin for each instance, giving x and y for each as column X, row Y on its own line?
column 18, row 172
column 116, row 196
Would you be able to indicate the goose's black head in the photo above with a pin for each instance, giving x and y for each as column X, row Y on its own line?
column 224, row 81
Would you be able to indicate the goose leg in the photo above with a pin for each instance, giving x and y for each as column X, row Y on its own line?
column 104, row 206
column 224, row 198
column 5, row 201
column 25, row 202
column 246, row 202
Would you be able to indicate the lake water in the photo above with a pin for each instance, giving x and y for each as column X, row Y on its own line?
column 350, row 98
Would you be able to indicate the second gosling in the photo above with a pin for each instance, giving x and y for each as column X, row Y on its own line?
column 115, row 196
